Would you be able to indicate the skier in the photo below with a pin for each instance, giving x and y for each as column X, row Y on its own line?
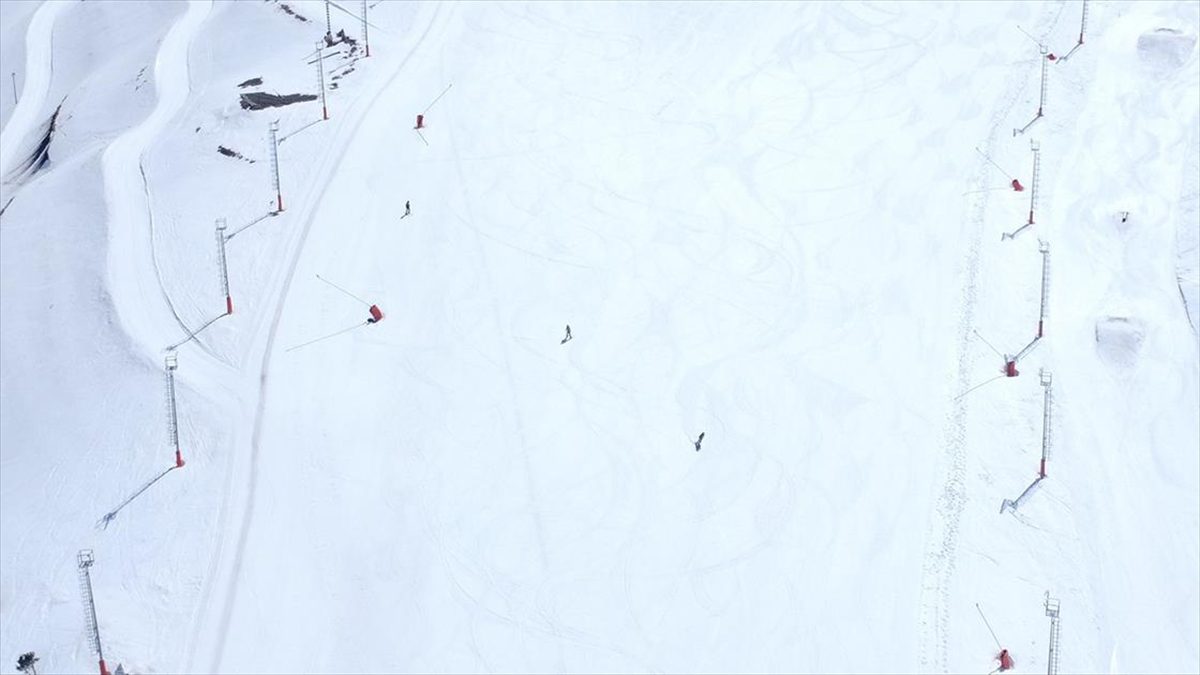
column 699, row 441
column 407, row 209
column 568, row 337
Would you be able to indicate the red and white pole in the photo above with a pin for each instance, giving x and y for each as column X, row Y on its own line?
column 224, row 265
column 1045, row 62
column 1044, row 248
column 1046, row 379
column 86, row 560
column 321, row 80
column 172, row 414
column 274, row 129
column 1037, row 165
column 366, row 41
column 1082, row 22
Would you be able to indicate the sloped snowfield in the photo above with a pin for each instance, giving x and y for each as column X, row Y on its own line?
column 771, row 223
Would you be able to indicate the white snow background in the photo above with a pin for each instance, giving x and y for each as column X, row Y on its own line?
column 767, row 222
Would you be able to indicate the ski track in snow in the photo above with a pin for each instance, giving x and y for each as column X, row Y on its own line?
column 138, row 294
column 335, row 154
column 942, row 535
column 39, row 71
column 158, row 278
column 527, row 468
column 142, row 303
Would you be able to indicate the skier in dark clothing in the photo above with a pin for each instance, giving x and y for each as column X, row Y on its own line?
column 699, row 441
column 407, row 209
column 568, row 337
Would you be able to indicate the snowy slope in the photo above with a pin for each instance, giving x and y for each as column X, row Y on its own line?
column 14, row 17
column 1096, row 528
column 766, row 222
column 80, row 404
column 92, row 388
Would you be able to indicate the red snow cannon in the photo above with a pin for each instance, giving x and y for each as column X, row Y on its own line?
column 376, row 315
column 1010, row 369
column 1017, row 187
column 1006, row 662
column 420, row 122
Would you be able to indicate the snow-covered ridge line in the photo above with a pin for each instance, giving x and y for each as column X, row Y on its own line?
column 39, row 69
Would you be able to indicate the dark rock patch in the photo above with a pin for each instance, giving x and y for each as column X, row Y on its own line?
column 260, row 100
column 230, row 152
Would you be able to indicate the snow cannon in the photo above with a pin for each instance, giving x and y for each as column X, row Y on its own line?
column 376, row 315
column 420, row 122
column 1010, row 368
column 1006, row 662
column 1017, row 187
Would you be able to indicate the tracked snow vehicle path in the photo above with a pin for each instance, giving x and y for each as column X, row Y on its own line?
column 211, row 633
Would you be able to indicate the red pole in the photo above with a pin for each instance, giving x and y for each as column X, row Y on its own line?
column 178, row 463
column 103, row 668
column 279, row 201
column 1043, row 471
column 229, row 308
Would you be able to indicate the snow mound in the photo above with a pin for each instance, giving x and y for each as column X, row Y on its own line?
column 1165, row 49
column 1119, row 340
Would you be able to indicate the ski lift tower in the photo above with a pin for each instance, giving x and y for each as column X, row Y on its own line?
column 86, row 560
column 1052, row 605
column 1046, row 379
column 223, row 260
column 1045, row 57
column 172, row 363
column 367, row 42
column 273, row 129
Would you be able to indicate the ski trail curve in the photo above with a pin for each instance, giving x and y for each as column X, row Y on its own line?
column 39, row 71
column 228, row 573
column 133, row 279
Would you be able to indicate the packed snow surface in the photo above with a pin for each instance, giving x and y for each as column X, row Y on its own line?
column 781, row 225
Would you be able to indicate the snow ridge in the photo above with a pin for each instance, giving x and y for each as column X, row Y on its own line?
column 39, row 60
column 139, row 297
